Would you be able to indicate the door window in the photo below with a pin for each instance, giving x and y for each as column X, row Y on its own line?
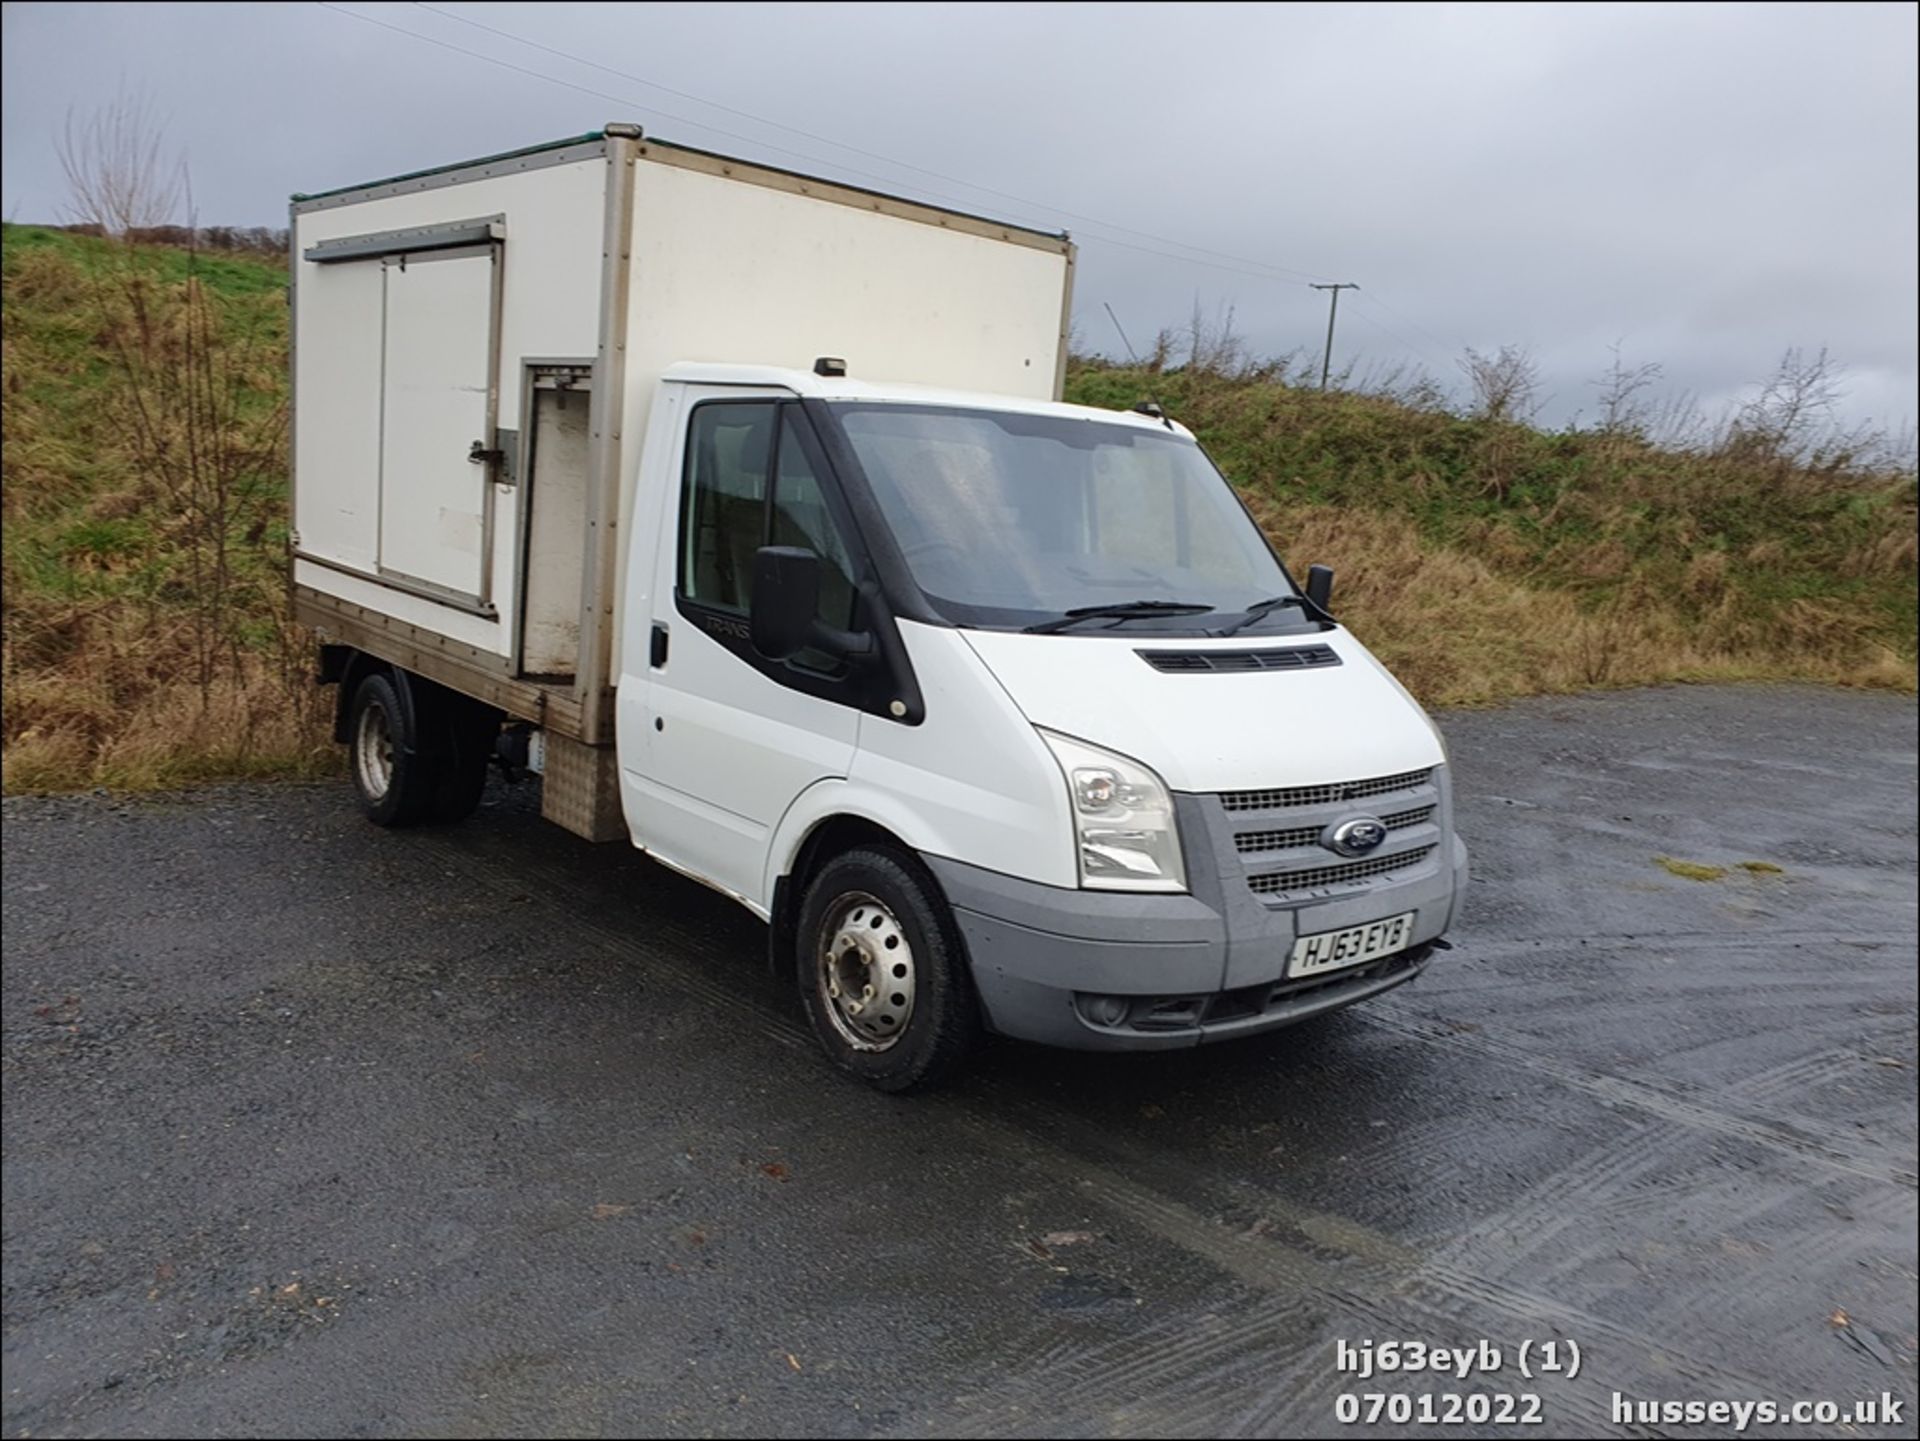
column 749, row 483
column 729, row 445
column 800, row 517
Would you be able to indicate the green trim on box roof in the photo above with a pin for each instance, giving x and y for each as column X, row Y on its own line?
column 591, row 135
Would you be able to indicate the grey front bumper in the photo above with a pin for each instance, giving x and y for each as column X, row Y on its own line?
column 1199, row 967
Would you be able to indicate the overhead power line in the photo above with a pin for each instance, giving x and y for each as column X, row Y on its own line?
column 1258, row 269
column 1406, row 342
column 1263, row 266
column 1376, row 298
column 1193, row 254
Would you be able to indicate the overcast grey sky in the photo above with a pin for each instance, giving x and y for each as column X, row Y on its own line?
column 1706, row 185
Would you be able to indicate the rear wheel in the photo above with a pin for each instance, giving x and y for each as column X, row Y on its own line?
column 395, row 782
column 417, row 751
column 468, row 731
column 882, row 973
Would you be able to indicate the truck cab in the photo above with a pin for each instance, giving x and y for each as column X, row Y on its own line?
column 743, row 507
column 1006, row 716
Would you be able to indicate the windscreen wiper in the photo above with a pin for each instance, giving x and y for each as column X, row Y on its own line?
column 1262, row 608
column 1118, row 610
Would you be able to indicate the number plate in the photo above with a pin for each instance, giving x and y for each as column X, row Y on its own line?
column 1336, row 950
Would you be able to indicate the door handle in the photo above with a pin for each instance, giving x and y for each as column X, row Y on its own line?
column 481, row 455
column 659, row 655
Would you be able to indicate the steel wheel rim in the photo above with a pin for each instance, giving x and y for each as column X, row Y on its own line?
column 864, row 971
column 373, row 750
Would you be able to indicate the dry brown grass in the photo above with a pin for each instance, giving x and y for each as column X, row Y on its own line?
column 102, row 694
column 63, row 733
column 1456, row 632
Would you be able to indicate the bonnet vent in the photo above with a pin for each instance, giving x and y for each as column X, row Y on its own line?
column 1293, row 657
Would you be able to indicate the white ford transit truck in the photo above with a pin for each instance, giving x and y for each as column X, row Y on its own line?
column 742, row 507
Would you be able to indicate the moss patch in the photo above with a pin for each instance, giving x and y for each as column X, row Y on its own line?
column 1691, row 870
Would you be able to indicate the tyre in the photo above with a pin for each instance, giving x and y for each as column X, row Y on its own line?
column 882, row 972
column 466, row 740
column 395, row 780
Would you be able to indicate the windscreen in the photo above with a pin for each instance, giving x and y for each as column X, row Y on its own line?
column 1010, row 520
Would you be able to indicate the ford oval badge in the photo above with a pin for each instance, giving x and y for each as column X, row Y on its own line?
column 1357, row 837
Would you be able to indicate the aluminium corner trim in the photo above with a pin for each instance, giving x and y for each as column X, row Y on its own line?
column 293, row 389
column 595, row 664
column 1066, row 324
column 514, row 162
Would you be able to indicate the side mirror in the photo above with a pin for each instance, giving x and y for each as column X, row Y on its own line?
column 782, row 620
column 1319, row 584
column 786, row 596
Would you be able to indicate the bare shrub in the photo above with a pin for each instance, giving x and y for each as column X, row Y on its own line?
column 1213, row 346
column 1677, row 423
column 1793, row 411
column 1624, row 405
column 204, row 439
column 1410, row 384
column 119, row 174
column 1505, row 385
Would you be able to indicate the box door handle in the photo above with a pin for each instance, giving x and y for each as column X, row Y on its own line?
column 659, row 657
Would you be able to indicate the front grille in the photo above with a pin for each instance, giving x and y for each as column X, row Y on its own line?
column 1293, row 657
column 1248, row 842
column 1284, row 882
column 1273, row 800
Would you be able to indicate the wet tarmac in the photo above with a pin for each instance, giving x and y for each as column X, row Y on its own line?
column 316, row 1129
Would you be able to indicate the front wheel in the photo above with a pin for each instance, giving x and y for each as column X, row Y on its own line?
column 882, row 973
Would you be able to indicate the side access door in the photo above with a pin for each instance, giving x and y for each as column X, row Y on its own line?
column 437, row 404
column 730, row 738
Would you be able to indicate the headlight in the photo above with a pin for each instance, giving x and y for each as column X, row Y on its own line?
column 1122, row 820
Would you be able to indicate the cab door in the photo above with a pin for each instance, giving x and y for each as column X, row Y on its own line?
column 735, row 738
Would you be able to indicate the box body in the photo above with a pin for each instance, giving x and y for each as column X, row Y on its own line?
column 476, row 349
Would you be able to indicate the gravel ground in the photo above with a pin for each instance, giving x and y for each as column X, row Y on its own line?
column 315, row 1129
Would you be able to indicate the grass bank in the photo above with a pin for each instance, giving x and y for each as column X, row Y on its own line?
column 146, row 635
column 146, row 639
column 1483, row 559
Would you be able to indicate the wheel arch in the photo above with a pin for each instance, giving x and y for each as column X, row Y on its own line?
column 425, row 701
column 826, row 819
column 347, row 667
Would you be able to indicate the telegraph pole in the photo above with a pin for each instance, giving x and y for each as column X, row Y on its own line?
column 1333, row 309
